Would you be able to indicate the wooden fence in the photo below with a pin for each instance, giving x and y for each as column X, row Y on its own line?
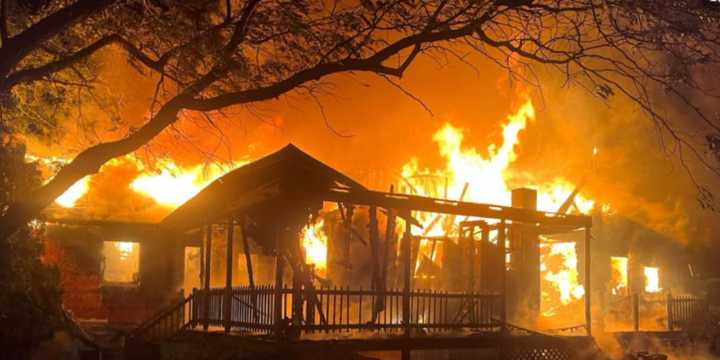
column 343, row 310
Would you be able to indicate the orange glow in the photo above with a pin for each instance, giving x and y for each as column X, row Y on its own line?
column 485, row 177
column 73, row 193
column 652, row 279
column 125, row 248
column 174, row 185
column 558, row 269
column 170, row 187
column 314, row 242
column 619, row 275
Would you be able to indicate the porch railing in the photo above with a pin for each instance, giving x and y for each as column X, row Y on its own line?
column 344, row 310
column 686, row 312
column 661, row 312
column 167, row 322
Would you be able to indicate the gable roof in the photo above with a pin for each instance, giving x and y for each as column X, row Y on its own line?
column 255, row 183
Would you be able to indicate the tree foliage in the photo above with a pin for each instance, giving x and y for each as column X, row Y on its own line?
column 30, row 300
column 209, row 55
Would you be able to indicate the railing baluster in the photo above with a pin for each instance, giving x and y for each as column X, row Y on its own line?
column 347, row 312
column 360, row 307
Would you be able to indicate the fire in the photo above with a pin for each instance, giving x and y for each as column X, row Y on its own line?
column 559, row 270
column 171, row 186
column 125, row 248
column 619, row 275
column 73, row 193
column 473, row 177
column 174, row 185
column 652, row 279
column 314, row 242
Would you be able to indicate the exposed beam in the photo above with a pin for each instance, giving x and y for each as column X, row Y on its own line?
column 419, row 203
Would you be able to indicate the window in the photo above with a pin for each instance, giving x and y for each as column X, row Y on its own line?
column 121, row 262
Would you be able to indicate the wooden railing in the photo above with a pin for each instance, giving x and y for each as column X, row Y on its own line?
column 670, row 312
column 343, row 310
column 685, row 312
column 167, row 322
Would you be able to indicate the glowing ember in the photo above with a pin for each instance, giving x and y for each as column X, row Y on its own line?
column 73, row 193
column 314, row 242
column 652, row 279
column 559, row 272
column 619, row 281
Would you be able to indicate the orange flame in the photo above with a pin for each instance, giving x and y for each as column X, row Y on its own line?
column 562, row 276
column 619, row 275
column 481, row 179
column 470, row 176
column 315, row 242
column 170, row 187
column 652, row 279
column 125, row 248
column 173, row 185
column 73, row 193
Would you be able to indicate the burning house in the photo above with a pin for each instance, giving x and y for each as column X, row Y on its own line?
column 288, row 248
column 478, row 277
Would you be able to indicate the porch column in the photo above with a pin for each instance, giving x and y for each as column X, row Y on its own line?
column 248, row 262
column 228, row 275
column 208, row 268
column 503, row 276
column 407, row 273
column 588, row 290
column 278, row 305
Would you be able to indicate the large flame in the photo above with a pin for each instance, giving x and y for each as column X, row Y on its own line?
column 170, row 186
column 315, row 242
column 73, row 193
column 473, row 177
column 173, row 185
column 559, row 269
column 652, row 279
column 619, row 283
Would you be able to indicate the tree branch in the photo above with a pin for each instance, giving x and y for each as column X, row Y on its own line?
column 40, row 72
column 15, row 49
column 3, row 22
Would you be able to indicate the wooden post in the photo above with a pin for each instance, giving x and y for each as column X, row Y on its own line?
column 407, row 274
column 389, row 248
column 228, row 275
column 248, row 263
column 588, row 288
column 208, row 268
column 278, row 293
column 348, row 240
column 636, row 312
column 669, row 306
column 503, row 277
column 484, row 275
column 193, row 307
